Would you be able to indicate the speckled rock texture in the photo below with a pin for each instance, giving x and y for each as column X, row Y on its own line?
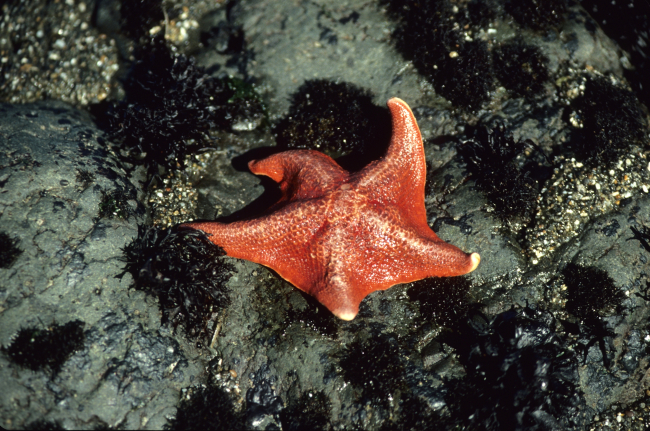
column 67, row 271
column 550, row 332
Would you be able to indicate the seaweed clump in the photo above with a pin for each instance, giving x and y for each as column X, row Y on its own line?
column 9, row 250
column 610, row 121
column 38, row 349
column 171, row 105
column 311, row 411
column 591, row 295
column 490, row 158
column 139, row 16
column 182, row 268
column 521, row 68
column 537, row 14
column 432, row 35
column 209, row 408
column 85, row 178
column 444, row 300
column 439, row 37
column 337, row 118
column 628, row 23
column 375, row 367
column 591, row 292
column 520, row 375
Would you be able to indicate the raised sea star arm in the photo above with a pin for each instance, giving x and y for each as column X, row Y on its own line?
column 301, row 174
column 399, row 177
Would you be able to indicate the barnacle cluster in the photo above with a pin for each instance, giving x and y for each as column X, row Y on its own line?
column 173, row 200
column 576, row 193
column 609, row 164
column 41, row 56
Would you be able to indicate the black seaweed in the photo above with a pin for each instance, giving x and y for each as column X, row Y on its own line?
column 9, row 250
column 480, row 13
column 521, row 68
column 115, row 204
column 139, row 16
column 183, row 269
column 208, row 408
column 520, row 374
column 538, row 14
column 591, row 295
column 592, row 330
column 85, row 178
column 611, row 121
column 591, row 292
column 628, row 23
column 374, row 366
column 50, row 348
column 315, row 316
column 336, row 118
column 490, row 158
column 431, row 35
column 444, row 300
column 311, row 411
column 171, row 104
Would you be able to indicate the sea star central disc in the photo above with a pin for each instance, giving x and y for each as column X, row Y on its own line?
column 340, row 236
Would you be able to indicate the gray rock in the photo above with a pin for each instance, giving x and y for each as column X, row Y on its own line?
column 68, row 270
column 274, row 347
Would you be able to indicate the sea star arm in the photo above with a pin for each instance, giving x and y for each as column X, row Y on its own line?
column 391, row 252
column 399, row 178
column 281, row 240
column 301, row 174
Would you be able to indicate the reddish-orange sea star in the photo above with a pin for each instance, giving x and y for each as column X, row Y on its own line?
column 339, row 236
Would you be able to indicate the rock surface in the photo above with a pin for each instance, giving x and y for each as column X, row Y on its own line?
column 69, row 204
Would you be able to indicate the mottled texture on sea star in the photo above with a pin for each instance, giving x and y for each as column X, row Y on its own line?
column 339, row 236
